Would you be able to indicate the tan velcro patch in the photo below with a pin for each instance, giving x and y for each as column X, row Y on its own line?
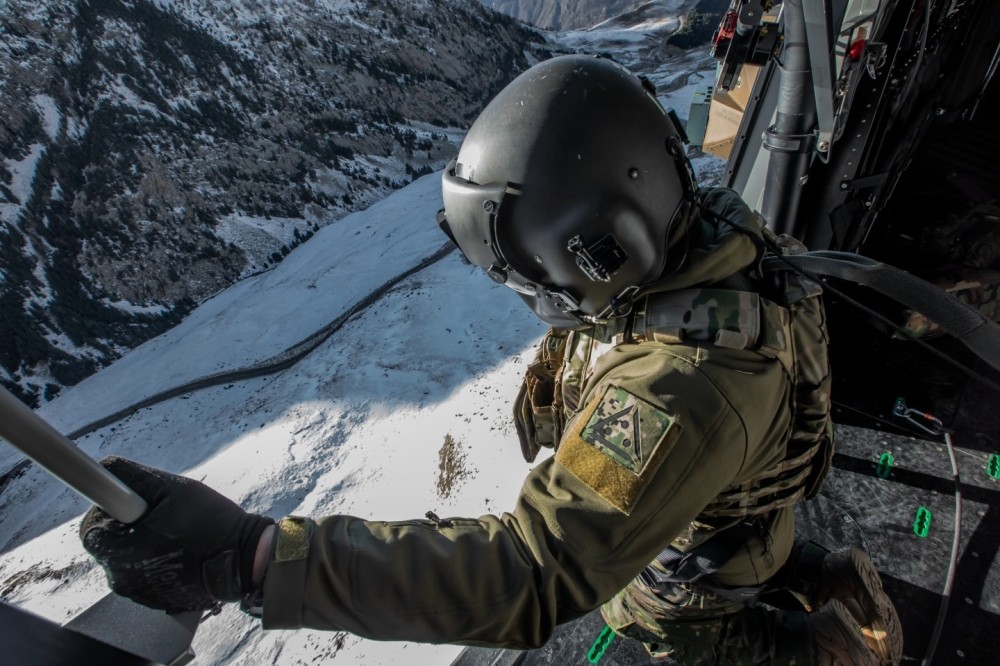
column 616, row 446
column 293, row 539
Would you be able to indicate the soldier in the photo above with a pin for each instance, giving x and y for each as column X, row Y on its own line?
column 685, row 392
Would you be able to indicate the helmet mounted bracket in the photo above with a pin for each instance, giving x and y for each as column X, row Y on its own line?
column 600, row 260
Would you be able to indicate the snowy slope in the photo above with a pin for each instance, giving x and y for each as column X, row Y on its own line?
column 238, row 327
column 359, row 426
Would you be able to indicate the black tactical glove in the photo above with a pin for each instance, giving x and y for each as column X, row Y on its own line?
column 192, row 547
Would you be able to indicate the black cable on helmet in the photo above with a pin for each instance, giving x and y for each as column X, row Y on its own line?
column 675, row 146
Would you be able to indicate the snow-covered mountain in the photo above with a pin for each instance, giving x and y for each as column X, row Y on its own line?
column 403, row 408
column 562, row 14
column 152, row 152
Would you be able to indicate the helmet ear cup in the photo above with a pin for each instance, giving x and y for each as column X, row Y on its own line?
column 566, row 187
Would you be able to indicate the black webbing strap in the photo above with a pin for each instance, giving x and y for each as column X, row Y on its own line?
column 969, row 326
column 698, row 564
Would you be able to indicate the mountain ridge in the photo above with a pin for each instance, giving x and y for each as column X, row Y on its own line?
column 156, row 152
column 562, row 14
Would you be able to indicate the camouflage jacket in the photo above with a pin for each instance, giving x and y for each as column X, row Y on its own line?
column 654, row 434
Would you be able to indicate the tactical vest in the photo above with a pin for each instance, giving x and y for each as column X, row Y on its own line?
column 791, row 329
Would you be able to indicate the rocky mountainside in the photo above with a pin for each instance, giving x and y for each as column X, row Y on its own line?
column 562, row 14
column 152, row 152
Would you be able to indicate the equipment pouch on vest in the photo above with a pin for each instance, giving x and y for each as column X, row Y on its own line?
column 536, row 408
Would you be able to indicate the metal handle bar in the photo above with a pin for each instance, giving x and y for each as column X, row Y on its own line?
column 30, row 434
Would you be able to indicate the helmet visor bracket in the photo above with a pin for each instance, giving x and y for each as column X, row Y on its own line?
column 470, row 220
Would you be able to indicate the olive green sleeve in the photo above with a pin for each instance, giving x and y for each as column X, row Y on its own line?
column 508, row 580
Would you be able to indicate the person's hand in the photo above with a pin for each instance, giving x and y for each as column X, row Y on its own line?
column 191, row 549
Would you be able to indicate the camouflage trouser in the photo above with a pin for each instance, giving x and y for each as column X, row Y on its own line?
column 692, row 625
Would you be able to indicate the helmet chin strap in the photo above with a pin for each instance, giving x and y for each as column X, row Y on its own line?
column 619, row 306
column 622, row 304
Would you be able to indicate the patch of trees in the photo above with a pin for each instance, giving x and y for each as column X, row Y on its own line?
column 22, row 343
column 17, row 132
column 418, row 173
column 73, row 305
column 332, row 125
column 168, row 36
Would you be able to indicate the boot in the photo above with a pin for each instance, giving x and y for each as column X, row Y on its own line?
column 851, row 577
column 837, row 639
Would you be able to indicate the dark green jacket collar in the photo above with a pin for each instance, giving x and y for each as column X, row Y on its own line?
column 715, row 250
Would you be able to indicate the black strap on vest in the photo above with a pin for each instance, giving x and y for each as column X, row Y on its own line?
column 972, row 328
column 700, row 563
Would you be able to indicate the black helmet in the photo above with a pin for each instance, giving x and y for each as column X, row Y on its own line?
column 569, row 188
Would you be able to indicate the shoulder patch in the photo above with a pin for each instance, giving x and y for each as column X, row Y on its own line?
column 617, row 444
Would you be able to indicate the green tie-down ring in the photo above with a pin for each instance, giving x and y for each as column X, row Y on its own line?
column 601, row 645
column 922, row 524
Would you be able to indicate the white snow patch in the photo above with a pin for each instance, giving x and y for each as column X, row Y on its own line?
column 260, row 237
column 75, row 128
column 62, row 341
column 22, row 174
column 125, row 95
column 132, row 308
column 50, row 114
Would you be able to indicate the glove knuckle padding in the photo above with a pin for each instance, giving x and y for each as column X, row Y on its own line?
column 191, row 548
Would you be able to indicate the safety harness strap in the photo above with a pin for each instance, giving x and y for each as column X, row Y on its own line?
column 970, row 327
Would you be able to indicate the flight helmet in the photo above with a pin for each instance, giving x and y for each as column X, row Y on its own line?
column 572, row 188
